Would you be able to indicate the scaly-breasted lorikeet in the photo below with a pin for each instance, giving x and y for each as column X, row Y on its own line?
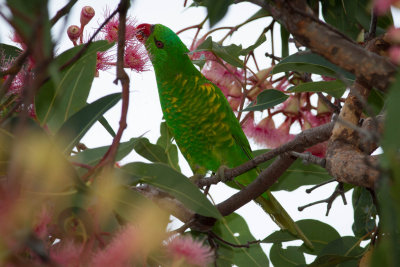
column 199, row 116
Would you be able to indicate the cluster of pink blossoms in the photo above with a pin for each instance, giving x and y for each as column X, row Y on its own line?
column 296, row 109
column 135, row 58
column 382, row 6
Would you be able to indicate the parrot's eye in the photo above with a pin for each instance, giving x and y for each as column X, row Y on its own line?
column 159, row 44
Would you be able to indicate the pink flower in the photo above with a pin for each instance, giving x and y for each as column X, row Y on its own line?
column 17, row 39
column 185, row 250
column 43, row 221
column 135, row 58
column 393, row 35
column 73, row 32
column 87, row 13
column 105, row 60
column 121, row 251
column 110, row 30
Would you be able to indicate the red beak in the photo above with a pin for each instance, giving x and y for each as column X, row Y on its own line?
column 143, row 31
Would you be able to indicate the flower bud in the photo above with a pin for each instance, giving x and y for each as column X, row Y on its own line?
column 73, row 32
column 292, row 106
column 322, row 108
column 87, row 14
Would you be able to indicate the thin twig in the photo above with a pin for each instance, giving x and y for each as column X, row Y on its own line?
column 63, row 11
column 214, row 235
column 308, row 158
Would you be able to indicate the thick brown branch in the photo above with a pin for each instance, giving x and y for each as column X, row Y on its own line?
column 329, row 43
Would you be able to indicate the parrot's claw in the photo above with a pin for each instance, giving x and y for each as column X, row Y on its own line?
column 196, row 177
column 221, row 173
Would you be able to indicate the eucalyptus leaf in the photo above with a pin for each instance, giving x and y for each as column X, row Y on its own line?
column 176, row 184
column 267, row 99
column 289, row 256
column 334, row 88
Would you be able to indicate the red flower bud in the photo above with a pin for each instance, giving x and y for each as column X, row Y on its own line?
column 73, row 32
column 87, row 14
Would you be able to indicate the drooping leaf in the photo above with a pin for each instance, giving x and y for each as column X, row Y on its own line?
column 170, row 149
column 306, row 61
column 334, row 88
column 290, row 256
column 152, row 152
column 267, row 99
column 107, row 126
column 285, row 41
column 176, row 184
column 259, row 42
column 234, row 229
column 78, row 124
column 261, row 13
column 61, row 97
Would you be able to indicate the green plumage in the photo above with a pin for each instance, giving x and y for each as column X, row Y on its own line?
column 200, row 118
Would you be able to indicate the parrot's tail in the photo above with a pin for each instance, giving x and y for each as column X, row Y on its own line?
column 279, row 215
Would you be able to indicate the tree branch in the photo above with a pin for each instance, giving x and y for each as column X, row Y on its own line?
column 299, row 20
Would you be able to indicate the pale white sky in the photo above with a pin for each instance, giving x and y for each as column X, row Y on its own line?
column 145, row 114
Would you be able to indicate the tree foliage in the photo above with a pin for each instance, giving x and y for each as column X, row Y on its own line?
column 63, row 204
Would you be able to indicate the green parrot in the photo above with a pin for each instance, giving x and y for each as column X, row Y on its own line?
column 199, row 116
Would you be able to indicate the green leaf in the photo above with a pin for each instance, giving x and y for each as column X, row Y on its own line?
column 267, row 99
column 107, row 126
column 58, row 99
column 9, row 52
column 376, row 101
column 216, row 9
column 229, row 53
column 93, row 156
column 306, row 61
column 334, row 88
column 176, row 184
column 364, row 212
column 261, row 13
column 153, row 153
column 170, row 149
column 330, row 261
column 279, row 237
column 345, row 246
column 285, row 41
column 290, row 256
column 233, row 228
column 259, row 42
column 320, row 234
column 78, row 124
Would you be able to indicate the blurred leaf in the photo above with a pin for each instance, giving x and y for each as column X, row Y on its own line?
column 259, row 42
column 216, row 9
column 376, row 100
column 290, row 256
column 9, row 52
column 334, row 88
column 233, row 228
column 6, row 141
column 174, row 183
column 330, row 261
column 364, row 212
column 93, row 156
column 298, row 174
column 107, row 126
column 229, row 53
column 285, row 41
column 363, row 16
column 170, row 149
column 306, row 61
column 58, row 99
column 152, row 152
column 267, row 99
column 78, row 124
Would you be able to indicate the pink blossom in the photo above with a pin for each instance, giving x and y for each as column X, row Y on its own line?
column 105, row 60
column 17, row 39
column 265, row 133
column 393, row 35
column 121, row 251
column 43, row 221
column 381, row 6
column 110, row 30
column 188, row 251
column 87, row 13
column 135, row 58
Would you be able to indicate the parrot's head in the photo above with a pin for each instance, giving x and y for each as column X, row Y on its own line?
column 165, row 48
